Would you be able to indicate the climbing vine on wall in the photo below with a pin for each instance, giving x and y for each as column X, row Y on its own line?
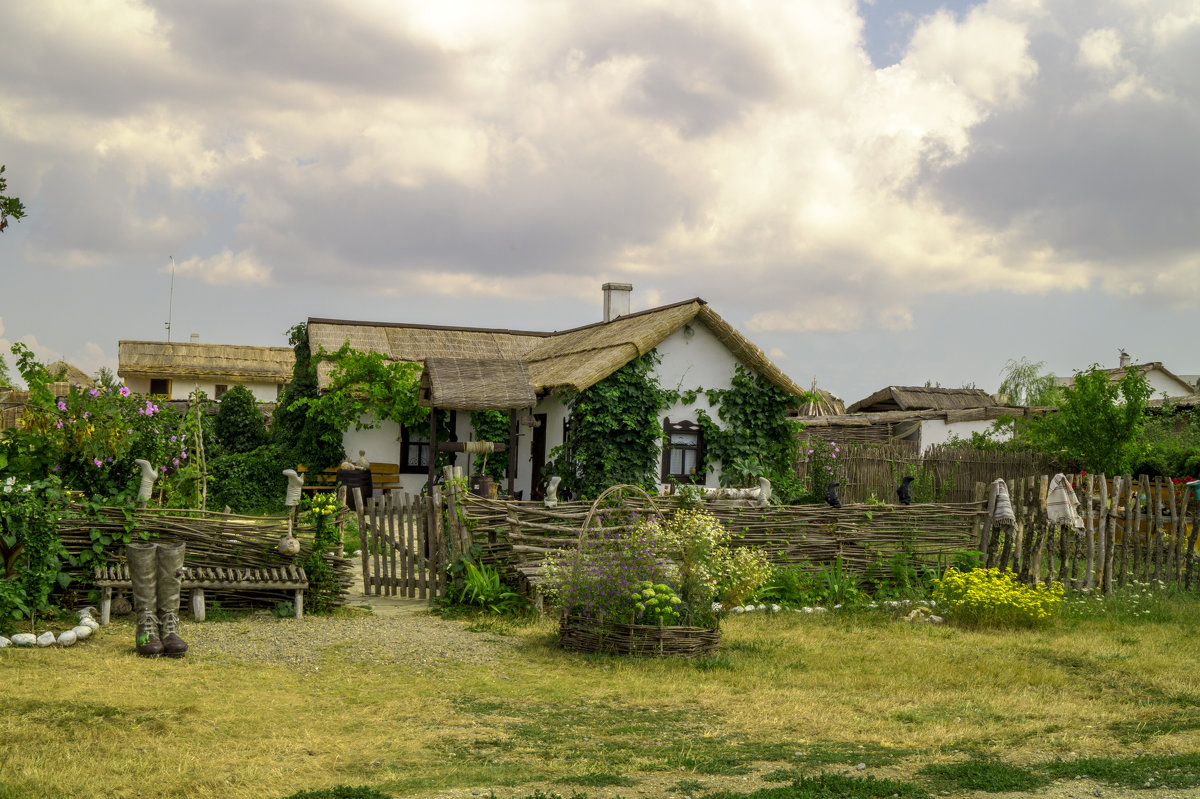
column 615, row 432
column 491, row 426
column 755, row 439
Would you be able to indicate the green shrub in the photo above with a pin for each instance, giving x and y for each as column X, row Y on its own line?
column 239, row 424
column 250, row 482
column 994, row 598
column 791, row 586
column 482, row 587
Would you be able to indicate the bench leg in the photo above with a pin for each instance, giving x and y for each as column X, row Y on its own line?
column 298, row 601
column 198, row 604
column 105, row 604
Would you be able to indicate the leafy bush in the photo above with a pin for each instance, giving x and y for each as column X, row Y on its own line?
column 651, row 603
column 994, row 598
column 239, row 424
column 250, row 482
column 324, row 589
column 791, row 586
column 482, row 588
column 491, row 426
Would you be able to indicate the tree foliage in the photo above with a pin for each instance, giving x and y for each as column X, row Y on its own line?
column 1098, row 422
column 9, row 206
column 240, row 426
column 312, row 442
column 1026, row 384
column 491, row 426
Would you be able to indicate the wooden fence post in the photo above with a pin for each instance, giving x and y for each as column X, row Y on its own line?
column 1089, row 529
column 1176, row 533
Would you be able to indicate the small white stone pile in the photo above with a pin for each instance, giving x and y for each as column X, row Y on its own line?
column 921, row 612
column 87, row 625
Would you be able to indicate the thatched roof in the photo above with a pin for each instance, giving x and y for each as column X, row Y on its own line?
column 157, row 359
column 577, row 358
column 70, row 374
column 472, row 384
column 922, row 398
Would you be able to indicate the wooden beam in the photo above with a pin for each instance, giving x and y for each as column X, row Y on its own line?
column 432, row 448
column 512, row 450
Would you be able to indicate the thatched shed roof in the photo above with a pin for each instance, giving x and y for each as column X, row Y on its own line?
column 473, row 384
column 576, row 358
column 156, row 359
column 69, row 373
column 922, row 398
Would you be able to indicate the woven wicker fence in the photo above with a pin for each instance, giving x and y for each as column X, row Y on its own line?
column 212, row 539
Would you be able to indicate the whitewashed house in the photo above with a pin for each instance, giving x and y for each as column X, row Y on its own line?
column 697, row 348
column 174, row 369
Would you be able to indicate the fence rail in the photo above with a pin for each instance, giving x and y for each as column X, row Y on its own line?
column 1142, row 529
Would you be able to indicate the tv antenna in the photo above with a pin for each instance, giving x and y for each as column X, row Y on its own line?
column 171, row 300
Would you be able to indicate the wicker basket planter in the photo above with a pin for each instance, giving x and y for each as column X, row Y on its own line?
column 585, row 635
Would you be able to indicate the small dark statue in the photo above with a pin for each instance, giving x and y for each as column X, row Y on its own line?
column 831, row 495
column 904, row 492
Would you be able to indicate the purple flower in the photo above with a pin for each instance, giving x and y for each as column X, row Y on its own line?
column 62, row 406
column 124, row 392
column 87, row 414
column 176, row 461
column 172, row 438
column 58, row 424
column 94, row 392
column 96, row 461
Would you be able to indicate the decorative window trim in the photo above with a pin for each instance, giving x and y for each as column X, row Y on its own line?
column 685, row 427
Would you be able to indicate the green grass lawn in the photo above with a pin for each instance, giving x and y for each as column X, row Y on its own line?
column 794, row 705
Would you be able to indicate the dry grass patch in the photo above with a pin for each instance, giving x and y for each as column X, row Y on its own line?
column 787, row 693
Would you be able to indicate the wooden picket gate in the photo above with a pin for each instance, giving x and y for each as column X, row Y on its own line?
column 403, row 545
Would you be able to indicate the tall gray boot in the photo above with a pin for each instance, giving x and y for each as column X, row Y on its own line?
column 143, row 567
column 170, row 570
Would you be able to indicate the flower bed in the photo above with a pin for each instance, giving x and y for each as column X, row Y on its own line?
column 581, row 634
column 649, row 585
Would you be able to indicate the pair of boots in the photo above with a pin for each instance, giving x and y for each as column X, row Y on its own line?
column 154, row 570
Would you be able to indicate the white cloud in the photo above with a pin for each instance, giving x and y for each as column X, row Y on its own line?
column 226, row 269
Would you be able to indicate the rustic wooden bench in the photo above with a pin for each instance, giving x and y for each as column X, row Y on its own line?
column 384, row 477
column 196, row 579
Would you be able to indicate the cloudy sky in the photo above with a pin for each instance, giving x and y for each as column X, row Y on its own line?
column 875, row 192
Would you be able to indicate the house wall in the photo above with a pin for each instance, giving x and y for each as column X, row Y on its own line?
column 181, row 387
column 1160, row 384
column 692, row 358
column 938, row 431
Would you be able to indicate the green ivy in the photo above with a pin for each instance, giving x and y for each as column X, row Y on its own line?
column 491, row 426
column 615, row 433
column 756, row 438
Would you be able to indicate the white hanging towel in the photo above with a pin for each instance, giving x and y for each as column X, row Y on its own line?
column 1062, row 506
column 1002, row 513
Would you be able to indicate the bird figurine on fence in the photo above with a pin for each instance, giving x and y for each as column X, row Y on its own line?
column 904, row 492
column 831, row 495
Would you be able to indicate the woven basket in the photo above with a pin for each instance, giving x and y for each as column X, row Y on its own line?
column 645, row 640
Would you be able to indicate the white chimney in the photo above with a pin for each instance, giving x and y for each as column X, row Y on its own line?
column 195, row 338
column 616, row 300
column 1124, row 359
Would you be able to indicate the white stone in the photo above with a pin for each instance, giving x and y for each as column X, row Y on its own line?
column 24, row 639
column 936, row 620
column 820, row 610
column 90, row 623
column 775, row 608
column 807, row 610
column 45, row 639
column 4, row 642
column 81, row 632
column 89, row 611
column 67, row 638
column 739, row 609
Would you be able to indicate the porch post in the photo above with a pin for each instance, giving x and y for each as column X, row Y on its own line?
column 432, row 447
column 512, row 449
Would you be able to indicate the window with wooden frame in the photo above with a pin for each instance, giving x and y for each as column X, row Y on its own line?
column 414, row 444
column 683, row 452
column 414, row 451
column 160, row 387
column 219, row 390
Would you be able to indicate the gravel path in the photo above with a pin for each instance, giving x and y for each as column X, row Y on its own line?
column 413, row 639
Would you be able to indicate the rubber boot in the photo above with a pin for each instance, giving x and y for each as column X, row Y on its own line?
column 170, row 570
column 143, row 567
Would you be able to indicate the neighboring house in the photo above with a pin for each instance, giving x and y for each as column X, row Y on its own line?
column 698, row 349
column 1162, row 381
column 68, row 373
column 174, row 369
column 14, row 400
column 923, row 415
